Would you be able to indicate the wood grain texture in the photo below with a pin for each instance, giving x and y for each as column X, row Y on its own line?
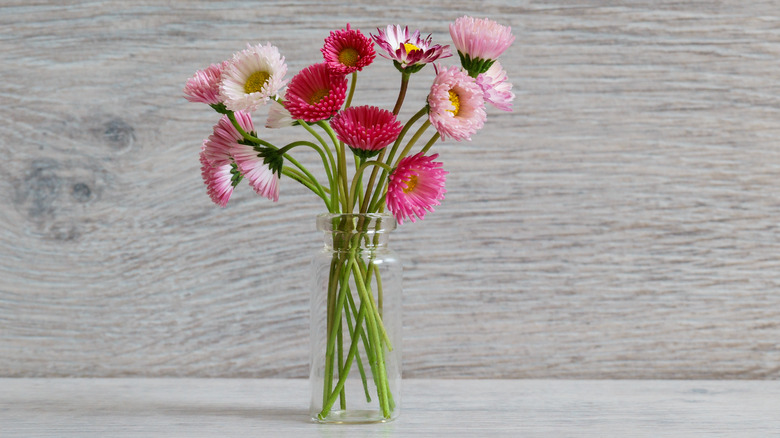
column 621, row 223
column 454, row 408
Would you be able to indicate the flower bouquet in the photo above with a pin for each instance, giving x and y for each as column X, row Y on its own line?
column 355, row 338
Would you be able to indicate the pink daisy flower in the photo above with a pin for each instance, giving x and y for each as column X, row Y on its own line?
column 218, row 148
column 409, row 53
column 263, row 180
column 204, row 85
column 496, row 88
column 415, row 186
column 225, row 146
column 220, row 180
column 366, row 129
column 252, row 77
column 315, row 93
column 479, row 41
column 348, row 50
column 457, row 105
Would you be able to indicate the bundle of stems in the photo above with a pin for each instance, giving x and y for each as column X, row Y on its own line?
column 352, row 309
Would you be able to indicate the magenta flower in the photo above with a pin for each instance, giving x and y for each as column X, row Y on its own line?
column 366, row 129
column 496, row 89
column 409, row 53
column 252, row 77
column 220, row 180
column 348, row 50
column 203, row 86
column 415, row 186
column 479, row 42
column 315, row 93
column 457, row 105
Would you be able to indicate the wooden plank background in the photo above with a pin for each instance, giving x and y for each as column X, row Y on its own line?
column 621, row 223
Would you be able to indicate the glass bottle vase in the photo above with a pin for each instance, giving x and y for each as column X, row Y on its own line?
column 355, row 355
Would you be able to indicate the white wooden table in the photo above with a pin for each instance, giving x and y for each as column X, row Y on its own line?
column 123, row 407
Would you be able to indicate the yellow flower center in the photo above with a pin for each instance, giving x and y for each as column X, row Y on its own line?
column 410, row 48
column 455, row 101
column 410, row 184
column 255, row 82
column 349, row 57
column 318, row 96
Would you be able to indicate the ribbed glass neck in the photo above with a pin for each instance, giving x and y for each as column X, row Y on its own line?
column 366, row 231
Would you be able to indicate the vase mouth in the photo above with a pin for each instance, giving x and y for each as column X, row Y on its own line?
column 363, row 222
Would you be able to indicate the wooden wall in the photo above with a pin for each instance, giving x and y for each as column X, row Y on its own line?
column 620, row 223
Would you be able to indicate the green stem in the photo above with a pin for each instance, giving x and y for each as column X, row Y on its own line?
column 356, row 331
column 357, row 198
column 414, row 139
column 326, row 406
column 430, row 143
column 335, row 322
column 303, row 179
column 370, row 186
column 341, row 174
column 352, row 86
column 378, row 205
column 245, row 134
column 365, row 296
column 327, row 380
column 367, row 274
column 360, row 170
column 340, row 348
column 401, row 93
column 334, row 192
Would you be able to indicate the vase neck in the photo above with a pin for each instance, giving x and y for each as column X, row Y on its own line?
column 364, row 231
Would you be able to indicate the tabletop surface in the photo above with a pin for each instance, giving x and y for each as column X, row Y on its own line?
column 123, row 407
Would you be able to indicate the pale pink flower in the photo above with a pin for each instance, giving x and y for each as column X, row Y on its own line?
column 220, row 180
column 218, row 148
column 278, row 116
column 315, row 93
column 409, row 53
column 496, row 88
column 225, row 147
column 252, row 77
column 457, row 106
column 203, row 86
column 479, row 41
column 415, row 186
column 348, row 50
column 263, row 180
column 366, row 129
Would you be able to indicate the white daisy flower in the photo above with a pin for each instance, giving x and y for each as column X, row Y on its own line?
column 253, row 76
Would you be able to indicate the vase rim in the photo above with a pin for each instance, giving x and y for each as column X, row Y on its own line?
column 377, row 222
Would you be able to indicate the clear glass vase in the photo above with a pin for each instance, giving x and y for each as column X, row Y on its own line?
column 355, row 354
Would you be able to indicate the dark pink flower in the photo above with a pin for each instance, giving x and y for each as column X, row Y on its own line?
column 348, row 50
column 315, row 93
column 366, row 129
column 415, row 186
column 409, row 53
